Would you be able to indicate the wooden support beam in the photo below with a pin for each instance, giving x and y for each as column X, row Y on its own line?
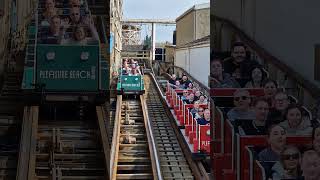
column 22, row 171
column 33, row 141
column 149, row 21
column 104, row 137
column 26, row 162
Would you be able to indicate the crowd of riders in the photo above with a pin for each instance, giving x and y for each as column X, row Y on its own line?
column 130, row 67
column 65, row 22
column 192, row 95
column 276, row 115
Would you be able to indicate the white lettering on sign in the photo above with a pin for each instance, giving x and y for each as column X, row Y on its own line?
column 51, row 74
column 131, row 85
column 73, row 74
column 93, row 72
column 205, row 143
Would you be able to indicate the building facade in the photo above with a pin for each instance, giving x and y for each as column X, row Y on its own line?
column 116, row 14
column 193, row 42
column 15, row 15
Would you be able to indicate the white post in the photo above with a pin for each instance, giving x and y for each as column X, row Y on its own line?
column 153, row 42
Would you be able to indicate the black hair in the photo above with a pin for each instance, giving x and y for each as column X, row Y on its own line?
column 260, row 99
column 262, row 72
column 55, row 16
column 271, row 127
column 216, row 59
column 75, row 30
column 266, row 81
column 292, row 106
column 281, row 91
column 238, row 44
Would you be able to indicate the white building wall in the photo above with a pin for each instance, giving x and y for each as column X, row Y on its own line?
column 181, row 58
column 196, row 61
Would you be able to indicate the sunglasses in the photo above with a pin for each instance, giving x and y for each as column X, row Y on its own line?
column 242, row 97
column 289, row 156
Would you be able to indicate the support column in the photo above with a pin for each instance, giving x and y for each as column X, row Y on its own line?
column 153, row 42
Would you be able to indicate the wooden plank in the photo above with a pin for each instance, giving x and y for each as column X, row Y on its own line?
column 72, row 177
column 22, row 171
column 115, row 140
column 182, row 178
column 135, row 160
column 181, row 165
column 133, row 145
column 68, row 156
column 104, row 137
column 133, row 151
column 135, row 176
column 133, row 167
column 33, row 141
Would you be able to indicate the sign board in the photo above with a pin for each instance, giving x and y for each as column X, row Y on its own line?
column 68, row 68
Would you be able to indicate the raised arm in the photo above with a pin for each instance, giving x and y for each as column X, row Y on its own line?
column 89, row 22
column 65, row 25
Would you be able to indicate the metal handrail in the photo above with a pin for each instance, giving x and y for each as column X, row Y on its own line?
column 153, row 143
column 203, row 88
column 156, row 83
column 149, row 128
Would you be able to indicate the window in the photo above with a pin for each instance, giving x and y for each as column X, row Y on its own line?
column 160, row 54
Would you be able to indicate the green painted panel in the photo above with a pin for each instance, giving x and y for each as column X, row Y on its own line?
column 104, row 77
column 65, row 70
column 131, row 83
column 27, row 78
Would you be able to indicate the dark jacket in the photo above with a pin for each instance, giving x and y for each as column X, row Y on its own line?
column 227, row 82
column 246, row 66
column 249, row 128
column 185, row 83
column 171, row 81
column 202, row 121
column 274, row 117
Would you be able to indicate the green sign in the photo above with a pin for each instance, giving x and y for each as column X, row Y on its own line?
column 131, row 83
column 68, row 68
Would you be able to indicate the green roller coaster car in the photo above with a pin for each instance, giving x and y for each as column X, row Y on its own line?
column 65, row 69
column 130, row 84
column 61, row 70
column 58, row 71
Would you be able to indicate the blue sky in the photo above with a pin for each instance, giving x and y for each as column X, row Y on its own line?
column 158, row 9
